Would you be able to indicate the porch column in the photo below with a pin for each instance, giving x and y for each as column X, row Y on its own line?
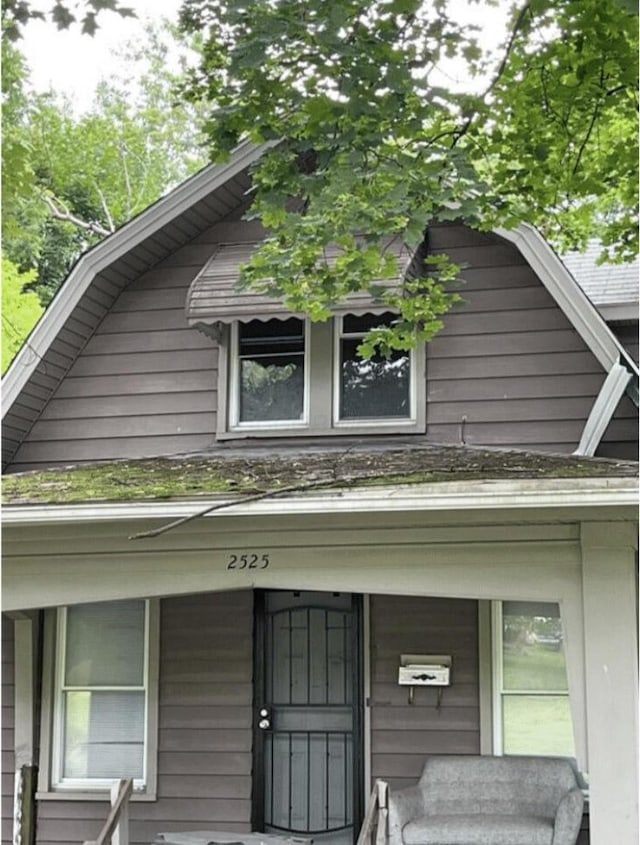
column 25, row 666
column 611, row 673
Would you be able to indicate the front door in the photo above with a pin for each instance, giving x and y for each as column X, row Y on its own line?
column 307, row 714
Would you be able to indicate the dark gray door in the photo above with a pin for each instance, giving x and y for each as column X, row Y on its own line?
column 307, row 715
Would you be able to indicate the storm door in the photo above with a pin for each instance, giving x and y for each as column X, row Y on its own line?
column 307, row 740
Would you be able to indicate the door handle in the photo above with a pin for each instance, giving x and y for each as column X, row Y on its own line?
column 264, row 722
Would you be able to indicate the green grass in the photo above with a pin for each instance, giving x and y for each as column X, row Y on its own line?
column 535, row 667
column 537, row 724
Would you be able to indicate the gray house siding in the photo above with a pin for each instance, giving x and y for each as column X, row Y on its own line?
column 508, row 369
column 204, row 741
column 402, row 733
column 8, row 757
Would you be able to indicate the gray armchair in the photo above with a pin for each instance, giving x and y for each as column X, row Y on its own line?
column 488, row 801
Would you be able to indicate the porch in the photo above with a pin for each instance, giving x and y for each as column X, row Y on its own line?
column 427, row 579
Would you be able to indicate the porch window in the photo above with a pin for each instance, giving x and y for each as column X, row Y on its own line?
column 101, row 701
column 532, row 712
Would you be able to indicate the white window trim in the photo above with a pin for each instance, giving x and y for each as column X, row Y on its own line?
column 50, row 784
column 234, row 392
column 321, row 393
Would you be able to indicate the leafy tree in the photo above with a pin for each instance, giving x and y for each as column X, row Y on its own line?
column 87, row 174
column 16, row 13
column 20, row 310
column 372, row 141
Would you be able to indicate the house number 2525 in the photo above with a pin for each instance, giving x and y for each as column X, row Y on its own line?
column 248, row 561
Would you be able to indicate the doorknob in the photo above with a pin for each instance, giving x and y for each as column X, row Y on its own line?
column 265, row 719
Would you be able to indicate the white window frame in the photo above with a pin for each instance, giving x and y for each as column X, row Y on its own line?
column 498, row 680
column 234, row 389
column 376, row 422
column 321, row 397
column 51, row 783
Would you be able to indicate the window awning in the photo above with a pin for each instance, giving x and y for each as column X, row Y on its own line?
column 214, row 297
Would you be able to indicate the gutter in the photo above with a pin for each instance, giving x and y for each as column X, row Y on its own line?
column 507, row 495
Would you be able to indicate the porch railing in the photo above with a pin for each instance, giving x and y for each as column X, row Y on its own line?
column 375, row 817
column 116, row 827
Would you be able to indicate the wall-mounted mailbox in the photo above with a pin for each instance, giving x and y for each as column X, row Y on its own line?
column 425, row 670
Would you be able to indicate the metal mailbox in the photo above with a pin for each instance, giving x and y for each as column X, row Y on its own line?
column 425, row 670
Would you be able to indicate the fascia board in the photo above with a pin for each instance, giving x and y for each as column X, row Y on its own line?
column 568, row 294
column 106, row 252
column 452, row 496
column 608, row 399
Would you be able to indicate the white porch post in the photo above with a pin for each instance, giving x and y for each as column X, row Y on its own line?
column 611, row 674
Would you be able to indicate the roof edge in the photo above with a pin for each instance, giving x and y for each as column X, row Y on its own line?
column 504, row 495
column 560, row 283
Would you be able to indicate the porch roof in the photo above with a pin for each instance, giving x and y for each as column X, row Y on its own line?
column 276, row 469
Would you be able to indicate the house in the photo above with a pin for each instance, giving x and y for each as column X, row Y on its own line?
column 470, row 506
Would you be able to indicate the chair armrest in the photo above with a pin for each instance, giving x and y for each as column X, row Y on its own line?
column 404, row 805
column 568, row 818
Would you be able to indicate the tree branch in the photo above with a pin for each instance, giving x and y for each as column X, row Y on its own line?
column 67, row 217
column 345, row 481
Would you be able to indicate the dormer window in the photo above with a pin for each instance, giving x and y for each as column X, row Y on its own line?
column 378, row 388
column 292, row 377
column 268, row 378
column 281, row 375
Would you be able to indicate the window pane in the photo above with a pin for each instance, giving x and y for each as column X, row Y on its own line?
column 533, row 650
column 271, row 364
column 364, row 323
column 103, row 735
column 105, row 644
column 378, row 387
column 537, row 724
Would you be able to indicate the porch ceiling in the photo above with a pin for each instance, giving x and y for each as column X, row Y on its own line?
column 293, row 470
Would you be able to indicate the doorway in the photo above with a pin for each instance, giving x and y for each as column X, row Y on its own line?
column 308, row 705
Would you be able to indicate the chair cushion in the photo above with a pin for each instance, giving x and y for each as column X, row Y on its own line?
column 478, row 829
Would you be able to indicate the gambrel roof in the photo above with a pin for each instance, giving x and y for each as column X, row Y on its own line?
column 178, row 218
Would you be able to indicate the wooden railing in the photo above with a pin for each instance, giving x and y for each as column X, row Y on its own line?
column 116, row 827
column 376, row 815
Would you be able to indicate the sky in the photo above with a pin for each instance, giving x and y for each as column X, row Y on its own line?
column 73, row 63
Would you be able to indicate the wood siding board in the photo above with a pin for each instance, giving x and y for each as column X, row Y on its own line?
column 125, row 363
column 188, row 381
column 535, row 365
column 516, row 320
column 455, row 235
column 504, row 343
column 552, row 386
column 33, row 455
column 192, row 256
column 165, row 276
column 115, row 323
column 483, row 411
column 147, row 425
column 489, row 255
column 158, row 299
column 177, row 340
column 127, row 405
column 532, row 433
column 204, row 786
column 494, row 278
column 505, row 299
column 206, row 717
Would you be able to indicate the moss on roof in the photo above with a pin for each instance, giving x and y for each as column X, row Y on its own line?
column 253, row 471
